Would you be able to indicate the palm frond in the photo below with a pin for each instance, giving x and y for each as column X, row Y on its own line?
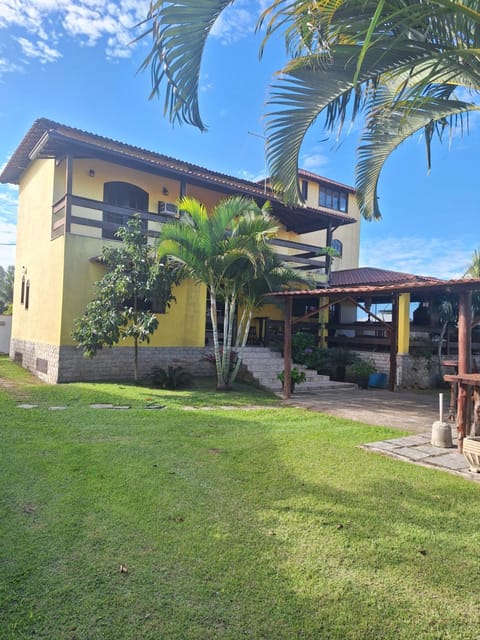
column 385, row 130
column 179, row 31
column 307, row 88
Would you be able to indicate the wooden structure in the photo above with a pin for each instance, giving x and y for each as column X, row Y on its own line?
column 396, row 329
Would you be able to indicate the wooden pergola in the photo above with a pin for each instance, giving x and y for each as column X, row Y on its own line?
column 462, row 288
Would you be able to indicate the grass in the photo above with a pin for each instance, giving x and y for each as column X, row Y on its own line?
column 262, row 523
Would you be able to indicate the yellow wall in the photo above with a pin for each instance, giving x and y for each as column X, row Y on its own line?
column 40, row 256
column 62, row 274
column 349, row 235
column 182, row 325
column 92, row 187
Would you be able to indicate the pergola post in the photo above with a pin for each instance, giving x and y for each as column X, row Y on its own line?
column 287, row 348
column 403, row 339
column 323, row 321
column 393, row 344
column 464, row 357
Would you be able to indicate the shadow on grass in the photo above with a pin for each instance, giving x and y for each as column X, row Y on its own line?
column 263, row 524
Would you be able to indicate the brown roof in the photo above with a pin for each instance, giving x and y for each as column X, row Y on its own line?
column 367, row 276
column 425, row 286
column 48, row 139
column 303, row 173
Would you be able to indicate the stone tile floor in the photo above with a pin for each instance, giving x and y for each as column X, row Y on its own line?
column 409, row 411
column 419, row 450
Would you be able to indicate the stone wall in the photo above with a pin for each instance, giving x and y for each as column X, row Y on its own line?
column 40, row 359
column 412, row 371
column 67, row 364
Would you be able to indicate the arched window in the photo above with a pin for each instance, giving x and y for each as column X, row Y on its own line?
column 338, row 246
column 127, row 196
column 22, row 292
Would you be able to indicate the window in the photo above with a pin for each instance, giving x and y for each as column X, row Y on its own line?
column 27, row 294
column 338, row 246
column 333, row 199
column 304, row 189
column 22, row 292
column 125, row 195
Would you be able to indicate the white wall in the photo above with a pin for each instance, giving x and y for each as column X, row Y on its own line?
column 5, row 332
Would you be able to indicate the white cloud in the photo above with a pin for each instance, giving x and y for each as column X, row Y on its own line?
column 8, row 229
column 236, row 22
column 205, row 84
column 39, row 50
column 245, row 174
column 7, row 244
column 7, row 66
column 313, row 161
column 441, row 258
column 44, row 23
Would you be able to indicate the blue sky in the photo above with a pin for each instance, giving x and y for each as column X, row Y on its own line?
column 71, row 61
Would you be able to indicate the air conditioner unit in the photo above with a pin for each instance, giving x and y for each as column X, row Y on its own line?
column 167, row 209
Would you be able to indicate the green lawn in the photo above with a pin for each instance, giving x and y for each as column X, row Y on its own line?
column 260, row 523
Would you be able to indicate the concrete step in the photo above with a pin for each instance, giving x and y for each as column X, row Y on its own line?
column 265, row 365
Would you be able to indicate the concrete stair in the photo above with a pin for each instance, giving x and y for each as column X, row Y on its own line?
column 264, row 366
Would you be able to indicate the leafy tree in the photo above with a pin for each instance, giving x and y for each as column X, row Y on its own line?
column 398, row 62
column 228, row 251
column 7, row 277
column 121, row 307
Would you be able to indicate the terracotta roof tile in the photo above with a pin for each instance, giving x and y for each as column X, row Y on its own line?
column 47, row 138
column 372, row 276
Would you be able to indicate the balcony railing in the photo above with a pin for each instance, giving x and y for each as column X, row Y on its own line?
column 84, row 216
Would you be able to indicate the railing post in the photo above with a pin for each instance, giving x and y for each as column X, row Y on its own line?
column 464, row 356
column 287, row 348
column 68, row 192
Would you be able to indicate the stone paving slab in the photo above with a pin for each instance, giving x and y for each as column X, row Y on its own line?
column 414, row 449
column 411, row 453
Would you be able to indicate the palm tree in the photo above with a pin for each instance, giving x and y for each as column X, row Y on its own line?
column 398, row 62
column 226, row 250
column 7, row 277
column 473, row 270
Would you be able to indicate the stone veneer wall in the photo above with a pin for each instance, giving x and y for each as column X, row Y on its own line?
column 412, row 371
column 67, row 364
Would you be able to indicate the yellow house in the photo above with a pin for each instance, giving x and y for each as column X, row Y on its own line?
column 77, row 188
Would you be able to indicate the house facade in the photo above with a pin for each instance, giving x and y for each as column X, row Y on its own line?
column 77, row 188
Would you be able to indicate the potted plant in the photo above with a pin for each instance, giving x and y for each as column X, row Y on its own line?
column 360, row 372
column 339, row 359
column 296, row 377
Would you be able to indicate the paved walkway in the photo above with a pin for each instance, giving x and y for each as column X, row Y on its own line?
column 414, row 412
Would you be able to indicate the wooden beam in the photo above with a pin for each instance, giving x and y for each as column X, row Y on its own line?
column 393, row 344
column 68, row 192
column 464, row 331
column 287, row 349
column 311, row 262
column 298, row 246
column 464, row 358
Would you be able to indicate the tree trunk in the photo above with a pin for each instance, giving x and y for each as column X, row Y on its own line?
column 241, row 342
column 221, row 386
column 135, row 360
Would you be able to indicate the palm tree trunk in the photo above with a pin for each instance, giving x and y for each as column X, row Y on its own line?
column 228, row 339
column 241, row 341
column 221, row 385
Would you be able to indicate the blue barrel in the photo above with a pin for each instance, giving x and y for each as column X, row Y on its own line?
column 377, row 380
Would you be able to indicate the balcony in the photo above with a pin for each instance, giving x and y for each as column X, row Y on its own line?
column 96, row 219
